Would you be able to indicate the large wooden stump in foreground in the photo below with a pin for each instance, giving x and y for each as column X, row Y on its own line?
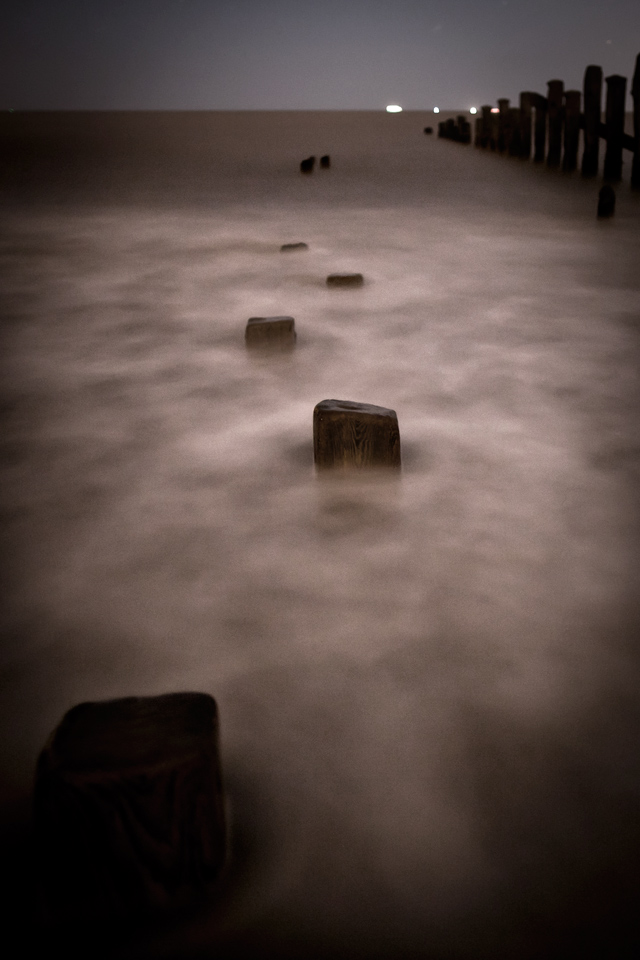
column 128, row 807
column 360, row 435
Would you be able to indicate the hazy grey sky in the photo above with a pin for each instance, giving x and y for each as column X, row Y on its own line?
column 304, row 54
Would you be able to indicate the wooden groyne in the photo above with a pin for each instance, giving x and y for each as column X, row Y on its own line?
column 547, row 128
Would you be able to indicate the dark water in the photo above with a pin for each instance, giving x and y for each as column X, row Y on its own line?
column 428, row 687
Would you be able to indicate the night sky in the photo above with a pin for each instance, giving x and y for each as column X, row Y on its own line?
column 303, row 54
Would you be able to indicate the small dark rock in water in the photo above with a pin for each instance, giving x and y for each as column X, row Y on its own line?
column 428, row 129
column 360, row 435
column 272, row 333
column 293, row 246
column 345, row 280
column 325, row 162
column 307, row 165
column 606, row 201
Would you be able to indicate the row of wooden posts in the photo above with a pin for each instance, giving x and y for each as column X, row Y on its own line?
column 129, row 803
column 551, row 125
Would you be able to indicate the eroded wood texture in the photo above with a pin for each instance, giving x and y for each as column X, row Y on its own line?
column 270, row 333
column 128, row 807
column 355, row 435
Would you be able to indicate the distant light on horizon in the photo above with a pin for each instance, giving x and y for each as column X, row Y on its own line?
column 436, row 109
column 394, row 108
column 495, row 109
column 473, row 110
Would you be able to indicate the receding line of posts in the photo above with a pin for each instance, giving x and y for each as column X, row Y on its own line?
column 549, row 127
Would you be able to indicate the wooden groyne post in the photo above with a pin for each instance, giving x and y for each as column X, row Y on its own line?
column 526, row 106
column 555, row 94
column 571, row 130
column 614, row 132
column 592, row 89
column 540, row 127
column 557, row 121
column 635, row 93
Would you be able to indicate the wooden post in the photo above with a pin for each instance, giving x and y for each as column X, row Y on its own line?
column 350, row 435
column 128, row 807
column 616, row 96
column 486, row 126
column 555, row 91
column 592, row 90
column 606, row 201
column 503, row 106
column 270, row 333
column 571, row 130
column 525, row 125
column 513, row 131
column 345, row 280
column 540, row 127
column 477, row 135
column 635, row 93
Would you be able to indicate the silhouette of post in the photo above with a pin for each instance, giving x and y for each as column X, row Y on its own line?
column 525, row 125
column 555, row 93
column 592, row 89
column 616, row 94
column 485, row 139
column 503, row 106
column 129, row 807
column 571, row 130
column 635, row 93
column 513, row 131
column 540, row 127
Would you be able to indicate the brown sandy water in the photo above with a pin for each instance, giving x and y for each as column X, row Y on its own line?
column 428, row 687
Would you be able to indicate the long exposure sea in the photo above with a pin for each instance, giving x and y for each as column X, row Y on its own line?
column 428, row 685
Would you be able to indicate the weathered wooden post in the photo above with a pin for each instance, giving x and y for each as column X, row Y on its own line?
column 592, row 91
column 606, row 201
column 345, row 280
column 477, row 132
column 349, row 435
column 270, row 333
column 539, row 127
column 635, row 93
column 486, row 126
column 616, row 96
column 128, row 807
column 503, row 106
column 513, row 131
column 555, row 92
column 571, row 130
column 525, row 125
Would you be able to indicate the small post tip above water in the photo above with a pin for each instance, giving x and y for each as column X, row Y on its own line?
column 287, row 247
column 345, row 280
column 606, row 202
column 349, row 435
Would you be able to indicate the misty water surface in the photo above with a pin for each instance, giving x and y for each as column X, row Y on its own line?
column 428, row 686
